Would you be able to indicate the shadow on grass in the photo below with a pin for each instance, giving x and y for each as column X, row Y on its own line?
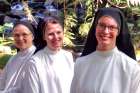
column 4, row 59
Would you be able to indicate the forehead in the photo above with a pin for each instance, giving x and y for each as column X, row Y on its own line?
column 20, row 29
column 52, row 26
column 107, row 20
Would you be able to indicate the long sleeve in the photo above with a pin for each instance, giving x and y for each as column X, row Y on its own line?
column 135, row 86
column 74, row 86
column 2, row 80
column 31, row 80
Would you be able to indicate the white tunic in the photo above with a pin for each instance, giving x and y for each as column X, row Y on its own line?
column 11, row 78
column 49, row 72
column 106, row 72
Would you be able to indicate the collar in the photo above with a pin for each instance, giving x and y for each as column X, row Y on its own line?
column 107, row 53
column 27, row 51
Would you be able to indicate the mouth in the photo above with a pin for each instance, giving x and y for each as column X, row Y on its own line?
column 105, row 37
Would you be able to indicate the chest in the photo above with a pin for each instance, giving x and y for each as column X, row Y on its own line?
column 103, row 78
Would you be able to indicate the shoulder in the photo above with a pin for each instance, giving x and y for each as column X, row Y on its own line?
column 126, row 58
column 84, row 61
column 68, row 55
column 127, row 62
column 66, row 52
column 37, row 58
column 87, row 58
column 10, row 61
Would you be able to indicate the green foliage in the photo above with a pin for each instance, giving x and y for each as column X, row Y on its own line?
column 69, row 22
column 8, row 25
column 84, row 29
column 1, row 40
column 71, row 19
column 1, row 29
column 5, row 26
column 4, row 59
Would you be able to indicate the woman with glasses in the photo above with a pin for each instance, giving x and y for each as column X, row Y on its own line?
column 50, row 70
column 107, row 64
column 12, row 76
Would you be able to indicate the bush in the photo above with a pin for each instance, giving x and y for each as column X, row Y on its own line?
column 4, row 59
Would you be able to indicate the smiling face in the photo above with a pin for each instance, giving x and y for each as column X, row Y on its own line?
column 23, row 37
column 54, row 36
column 106, row 33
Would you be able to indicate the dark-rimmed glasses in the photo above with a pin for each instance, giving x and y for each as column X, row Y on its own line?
column 102, row 27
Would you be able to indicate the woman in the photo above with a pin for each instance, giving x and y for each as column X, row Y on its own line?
column 50, row 70
column 107, row 64
column 11, row 78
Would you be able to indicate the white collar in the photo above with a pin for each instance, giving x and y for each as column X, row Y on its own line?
column 107, row 53
column 27, row 51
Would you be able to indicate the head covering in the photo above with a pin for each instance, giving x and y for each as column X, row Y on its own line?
column 123, row 40
column 31, row 28
column 27, row 24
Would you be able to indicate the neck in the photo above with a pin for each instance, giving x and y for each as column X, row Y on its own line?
column 104, row 48
column 23, row 49
column 54, row 50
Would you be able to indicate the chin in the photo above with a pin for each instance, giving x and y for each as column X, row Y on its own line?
column 105, row 43
column 56, row 48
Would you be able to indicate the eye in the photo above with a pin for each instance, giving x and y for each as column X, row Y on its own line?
column 59, row 32
column 50, row 34
column 113, row 28
column 16, row 35
column 101, row 26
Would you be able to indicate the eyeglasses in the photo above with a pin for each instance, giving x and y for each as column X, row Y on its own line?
column 111, row 28
column 24, row 35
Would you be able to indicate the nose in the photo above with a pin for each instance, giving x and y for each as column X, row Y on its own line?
column 20, row 37
column 106, row 30
column 55, row 36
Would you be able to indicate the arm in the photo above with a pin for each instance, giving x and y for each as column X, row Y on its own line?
column 135, row 86
column 74, row 84
column 31, row 80
column 2, row 79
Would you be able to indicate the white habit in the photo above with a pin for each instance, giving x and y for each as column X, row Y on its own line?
column 106, row 72
column 11, row 78
column 49, row 72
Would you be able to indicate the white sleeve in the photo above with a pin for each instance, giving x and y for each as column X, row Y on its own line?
column 31, row 80
column 75, row 81
column 2, row 79
column 135, row 86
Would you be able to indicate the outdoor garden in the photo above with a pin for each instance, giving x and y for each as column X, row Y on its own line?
column 77, row 16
